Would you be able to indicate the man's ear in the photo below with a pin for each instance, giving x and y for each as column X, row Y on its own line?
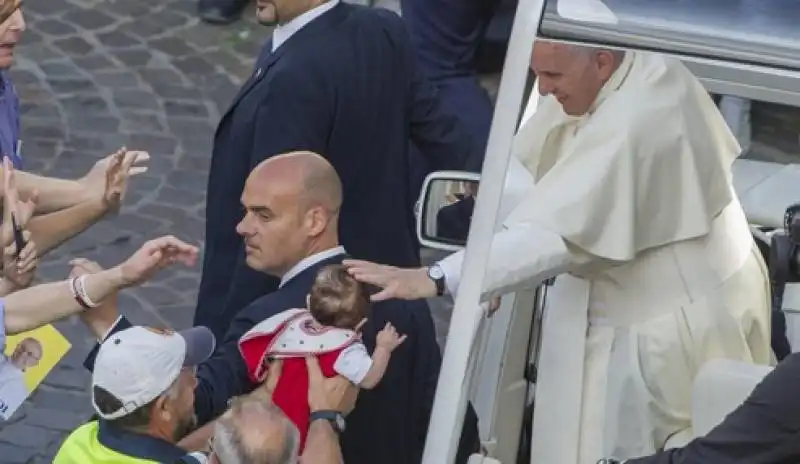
column 606, row 61
column 317, row 220
column 161, row 408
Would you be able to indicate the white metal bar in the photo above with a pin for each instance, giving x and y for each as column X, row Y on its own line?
column 449, row 405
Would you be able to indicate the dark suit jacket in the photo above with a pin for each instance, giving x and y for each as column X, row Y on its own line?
column 346, row 86
column 763, row 430
column 389, row 423
column 453, row 221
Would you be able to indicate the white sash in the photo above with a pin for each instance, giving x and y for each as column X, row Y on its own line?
column 559, row 385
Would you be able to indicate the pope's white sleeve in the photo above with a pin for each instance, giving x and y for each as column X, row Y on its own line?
column 521, row 255
column 353, row 363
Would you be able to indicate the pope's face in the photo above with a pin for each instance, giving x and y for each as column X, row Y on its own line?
column 573, row 76
column 27, row 354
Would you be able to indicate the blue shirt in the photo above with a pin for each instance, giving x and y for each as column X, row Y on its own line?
column 9, row 120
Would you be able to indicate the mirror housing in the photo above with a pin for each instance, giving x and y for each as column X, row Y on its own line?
column 518, row 185
column 444, row 209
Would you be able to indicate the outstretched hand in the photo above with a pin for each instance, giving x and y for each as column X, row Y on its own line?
column 394, row 282
column 155, row 255
column 108, row 178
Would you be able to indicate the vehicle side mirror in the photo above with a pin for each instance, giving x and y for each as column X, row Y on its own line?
column 444, row 210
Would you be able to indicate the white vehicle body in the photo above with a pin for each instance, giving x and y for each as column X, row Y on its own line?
column 491, row 361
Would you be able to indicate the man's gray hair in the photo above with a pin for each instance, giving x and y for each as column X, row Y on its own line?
column 590, row 50
column 255, row 431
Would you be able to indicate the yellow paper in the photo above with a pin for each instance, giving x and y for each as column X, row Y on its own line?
column 46, row 342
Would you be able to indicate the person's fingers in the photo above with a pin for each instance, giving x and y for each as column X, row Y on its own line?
column 139, row 156
column 360, row 325
column 376, row 278
column 127, row 162
column 314, row 371
column 30, row 260
column 30, row 248
column 385, row 294
column 357, row 263
column 135, row 171
column 273, row 374
column 401, row 339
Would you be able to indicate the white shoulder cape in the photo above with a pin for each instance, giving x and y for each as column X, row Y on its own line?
column 649, row 166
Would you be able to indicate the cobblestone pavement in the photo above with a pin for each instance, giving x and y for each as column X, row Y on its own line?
column 97, row 74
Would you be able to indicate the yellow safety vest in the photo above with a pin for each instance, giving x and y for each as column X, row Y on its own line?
column 86, row 445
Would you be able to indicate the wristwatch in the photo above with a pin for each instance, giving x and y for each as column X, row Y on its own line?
column 334, row 417
column 436, row 274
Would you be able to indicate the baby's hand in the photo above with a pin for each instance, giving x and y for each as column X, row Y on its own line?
column 389, row 339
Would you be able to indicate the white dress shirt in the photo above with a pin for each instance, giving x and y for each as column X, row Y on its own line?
column 310, row 261
column 282, row 32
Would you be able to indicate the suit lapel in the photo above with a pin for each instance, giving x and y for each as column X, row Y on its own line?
column 267, row 58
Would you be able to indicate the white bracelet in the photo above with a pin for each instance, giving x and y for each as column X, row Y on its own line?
column 80, row 288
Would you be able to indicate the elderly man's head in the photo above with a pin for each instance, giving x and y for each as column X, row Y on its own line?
column 254, row 430
column 144, row 379
column 573, row 74
column 12, row 25
column 27, row 354
column 292, row 204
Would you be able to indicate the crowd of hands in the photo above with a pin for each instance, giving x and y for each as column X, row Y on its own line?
column 106, row 183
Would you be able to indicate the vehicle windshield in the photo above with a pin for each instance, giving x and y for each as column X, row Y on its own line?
column 762, row 32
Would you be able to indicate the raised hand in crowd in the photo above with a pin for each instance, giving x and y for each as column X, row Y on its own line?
column 154, row 256
column 107, row 180
column 19, row 263
column 36, row 306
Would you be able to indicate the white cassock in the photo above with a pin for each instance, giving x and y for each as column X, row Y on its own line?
column 634, row 201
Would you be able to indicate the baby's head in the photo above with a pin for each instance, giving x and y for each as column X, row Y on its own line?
column 337, row 299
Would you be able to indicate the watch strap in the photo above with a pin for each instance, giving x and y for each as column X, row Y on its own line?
column 433, row 271
column 334, row 417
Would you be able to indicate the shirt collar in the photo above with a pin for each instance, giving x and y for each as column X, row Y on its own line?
column 283, row 32
column 137, row 445
column 310, row 261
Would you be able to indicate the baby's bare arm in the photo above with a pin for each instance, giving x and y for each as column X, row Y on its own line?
column 380, row 361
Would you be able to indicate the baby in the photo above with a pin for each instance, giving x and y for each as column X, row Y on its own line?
column 328, row 328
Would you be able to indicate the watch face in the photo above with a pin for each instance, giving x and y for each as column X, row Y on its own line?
column 435, row 273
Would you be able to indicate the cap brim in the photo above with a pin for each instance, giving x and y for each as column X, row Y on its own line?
column 200, row 345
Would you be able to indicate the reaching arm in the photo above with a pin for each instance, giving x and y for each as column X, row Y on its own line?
column 51, row 230
column 53, row 194
column 521, row 255
column 34, row 307
column 380, row 361
column 322, row 445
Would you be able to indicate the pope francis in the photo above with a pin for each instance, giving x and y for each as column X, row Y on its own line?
column 633, row 203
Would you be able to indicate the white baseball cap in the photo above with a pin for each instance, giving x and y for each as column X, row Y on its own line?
column 139, row 364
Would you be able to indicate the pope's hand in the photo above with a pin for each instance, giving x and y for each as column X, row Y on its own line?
column 154, row 256
column 404, row 284
column 107, row 181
